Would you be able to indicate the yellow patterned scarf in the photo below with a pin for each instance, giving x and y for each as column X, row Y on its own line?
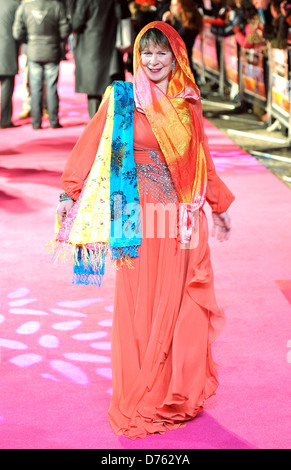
column 106, row 215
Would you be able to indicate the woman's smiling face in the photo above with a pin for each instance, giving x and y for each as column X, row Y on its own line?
column 157, row 63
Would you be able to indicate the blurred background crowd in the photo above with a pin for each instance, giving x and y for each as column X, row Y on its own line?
column 36, row 35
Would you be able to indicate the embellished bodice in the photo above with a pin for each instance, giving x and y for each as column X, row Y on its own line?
column 153, row 175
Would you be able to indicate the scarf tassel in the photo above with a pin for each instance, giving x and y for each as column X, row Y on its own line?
column 89, row 260
column 89, row 267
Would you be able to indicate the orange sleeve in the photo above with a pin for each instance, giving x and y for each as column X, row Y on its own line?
column 83, row 154
column 218, row 196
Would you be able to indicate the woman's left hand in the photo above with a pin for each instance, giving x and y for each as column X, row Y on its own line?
column 221, row 226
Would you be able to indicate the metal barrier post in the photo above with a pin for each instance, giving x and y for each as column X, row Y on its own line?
column 279, row 93
column 240, row 79
column 203, row 79
column 221, row 66
column 270, row 81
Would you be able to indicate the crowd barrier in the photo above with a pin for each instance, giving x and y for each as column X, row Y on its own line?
column 260, row 76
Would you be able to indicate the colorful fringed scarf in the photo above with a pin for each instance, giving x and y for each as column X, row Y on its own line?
column 106, row 215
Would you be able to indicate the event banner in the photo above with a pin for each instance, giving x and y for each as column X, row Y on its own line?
column 231, row 59
column 253, row 72
column 210, row 50
column 280, row 84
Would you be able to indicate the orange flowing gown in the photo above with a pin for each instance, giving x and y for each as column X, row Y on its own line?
column 165, row 313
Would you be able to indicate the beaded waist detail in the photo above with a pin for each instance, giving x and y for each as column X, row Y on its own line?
column 153, row 176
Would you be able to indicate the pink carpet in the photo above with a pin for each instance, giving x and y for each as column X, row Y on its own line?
column 55, row 377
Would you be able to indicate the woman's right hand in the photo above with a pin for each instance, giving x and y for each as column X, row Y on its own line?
column 63, row 208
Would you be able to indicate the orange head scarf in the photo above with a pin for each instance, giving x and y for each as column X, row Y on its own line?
column 173, row 119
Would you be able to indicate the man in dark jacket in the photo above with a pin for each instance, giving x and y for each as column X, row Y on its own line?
column 97, row 60
column 161, row 7
column 8, row 60
column 43, row 25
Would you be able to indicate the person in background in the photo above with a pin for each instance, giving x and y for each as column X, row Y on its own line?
column 250, row 36
column 97, row 61
column 146, row 3
column 161, row 7
column 216, row 13
column 185, row 17
column 286, row 24
column 263, row 8
column 43, row 25
column 26, row 103
column 25, row 91
column 143, row 13
column 280, row 32
column 234, row 17
column 8, row 60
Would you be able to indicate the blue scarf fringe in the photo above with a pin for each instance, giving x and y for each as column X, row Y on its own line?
column 90, row 271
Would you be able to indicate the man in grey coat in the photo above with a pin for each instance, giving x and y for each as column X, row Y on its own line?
column 42, row 24
column 8, row 60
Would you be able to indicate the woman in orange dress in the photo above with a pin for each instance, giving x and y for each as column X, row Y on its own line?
column 165, row 313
